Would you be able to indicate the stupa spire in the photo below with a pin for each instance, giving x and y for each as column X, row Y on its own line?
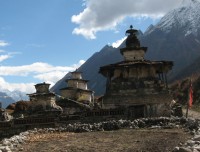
column 132, row 40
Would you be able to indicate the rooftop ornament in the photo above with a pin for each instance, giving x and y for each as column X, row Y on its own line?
column 132, row 41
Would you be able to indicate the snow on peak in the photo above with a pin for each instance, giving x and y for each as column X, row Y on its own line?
column 186, row 3
column 186, row 18
column 149, row 29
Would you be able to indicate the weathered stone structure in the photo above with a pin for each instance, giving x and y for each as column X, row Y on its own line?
column 77, row 89
column 136, row 84
column 4, row 116
column 43, row 99
column 72, row 107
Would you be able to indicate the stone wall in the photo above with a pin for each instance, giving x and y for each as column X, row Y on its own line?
column 68, row 93
column 77, row 84
column 131, row 55
column 84, row 96
column 82, row 85
column 42, row 88
column 76, row 75
column 43, row 102
column 141, row 71
column 155, row 105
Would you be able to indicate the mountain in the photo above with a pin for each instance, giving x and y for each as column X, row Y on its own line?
column 90, row 69
column 176, row 38
column 17, row 95
column 5, row 99
column 189, row 71
column 180, row 90
column 186, row 18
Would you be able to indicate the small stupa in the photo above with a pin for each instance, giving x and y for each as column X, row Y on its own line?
column 77, row 89
column 43, row 99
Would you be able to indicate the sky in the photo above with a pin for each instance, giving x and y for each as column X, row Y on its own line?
column 42, row 40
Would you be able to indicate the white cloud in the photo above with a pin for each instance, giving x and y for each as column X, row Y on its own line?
column 118, row 42
column 25, row 70
column 52, row 76
column 23, row 87
column 78, row 64
column 3, row 43
column 100, row 15
column 4, row 57
column 41, row 71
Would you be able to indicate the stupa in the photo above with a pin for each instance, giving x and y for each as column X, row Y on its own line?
column 138, row 85
column 77, row 89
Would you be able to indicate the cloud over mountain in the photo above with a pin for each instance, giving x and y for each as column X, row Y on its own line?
column 103, row 15
column 23, row 87
column 118, row 42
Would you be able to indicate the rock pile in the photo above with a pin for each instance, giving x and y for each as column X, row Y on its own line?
column 4, row 116
column 15, row 143
column 192, row 145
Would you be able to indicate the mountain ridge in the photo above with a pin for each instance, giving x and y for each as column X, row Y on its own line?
column 172, row 43
column 5, row 99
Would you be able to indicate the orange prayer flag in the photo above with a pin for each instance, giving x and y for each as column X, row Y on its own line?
column 190, row 96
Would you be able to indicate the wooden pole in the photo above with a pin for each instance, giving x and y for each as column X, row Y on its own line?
column 187, row 110
column 166, row 81
column 188, row 99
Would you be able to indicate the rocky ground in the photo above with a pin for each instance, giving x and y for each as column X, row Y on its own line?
column 124, row 140
column 152, row 134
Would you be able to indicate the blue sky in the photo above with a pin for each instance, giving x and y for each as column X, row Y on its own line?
column 42, row 40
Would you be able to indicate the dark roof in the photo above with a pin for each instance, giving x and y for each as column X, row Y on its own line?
column 76, row 72
column 42, row 84
column 69, row 102
column 136, row 63
column 77, row 89
column 42, row 94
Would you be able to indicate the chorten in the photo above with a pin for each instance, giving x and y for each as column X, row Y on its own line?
column 77, row 89
column 43, row 99
column 136, row 84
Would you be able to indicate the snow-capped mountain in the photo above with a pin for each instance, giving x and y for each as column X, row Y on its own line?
column 5, row 99
column 175, row 38
column 186, row 17
column 16, row 95
column 176, row 35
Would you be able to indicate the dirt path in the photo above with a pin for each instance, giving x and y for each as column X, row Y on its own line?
column 125, row 140
column 146, row 140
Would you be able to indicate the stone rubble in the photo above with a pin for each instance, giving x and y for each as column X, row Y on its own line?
column 16, row 142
